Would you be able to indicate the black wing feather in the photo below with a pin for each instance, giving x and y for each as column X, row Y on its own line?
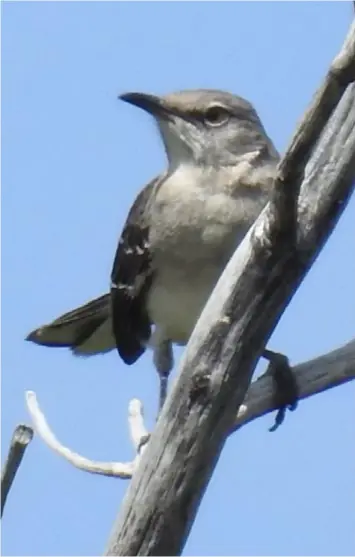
column 131, row 279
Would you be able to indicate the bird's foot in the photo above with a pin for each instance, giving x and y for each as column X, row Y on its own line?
column 286, row 388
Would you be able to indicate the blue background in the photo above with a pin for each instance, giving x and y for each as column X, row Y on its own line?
column 74, row 158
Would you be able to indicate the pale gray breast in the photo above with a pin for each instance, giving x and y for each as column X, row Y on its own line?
column 198, row 223
column 199, row 215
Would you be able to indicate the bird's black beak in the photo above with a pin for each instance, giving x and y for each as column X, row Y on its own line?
column 150, row 103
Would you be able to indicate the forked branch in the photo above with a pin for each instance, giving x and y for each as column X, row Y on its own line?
column 122, row 470
column 314, row 376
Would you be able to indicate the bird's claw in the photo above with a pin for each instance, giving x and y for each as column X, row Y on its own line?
column 286, row 388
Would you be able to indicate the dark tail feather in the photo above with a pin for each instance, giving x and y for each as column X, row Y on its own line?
column 86, row 330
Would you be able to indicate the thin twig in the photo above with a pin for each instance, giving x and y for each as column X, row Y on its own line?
column 122, row 470
column 22, row 436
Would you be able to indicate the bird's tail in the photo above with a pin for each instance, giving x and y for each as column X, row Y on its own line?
column 86, row 330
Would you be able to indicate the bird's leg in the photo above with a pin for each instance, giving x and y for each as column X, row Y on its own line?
column 164, row 361
column 286, row 388
column 163, row 390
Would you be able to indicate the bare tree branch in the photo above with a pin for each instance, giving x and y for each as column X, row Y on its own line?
column 122, row 470
column 241, row 314
column 313, row 377
column 22, row 436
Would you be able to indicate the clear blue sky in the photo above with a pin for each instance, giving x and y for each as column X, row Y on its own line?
column 74, row 158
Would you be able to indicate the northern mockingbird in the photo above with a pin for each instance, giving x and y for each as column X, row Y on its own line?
column 181, row 231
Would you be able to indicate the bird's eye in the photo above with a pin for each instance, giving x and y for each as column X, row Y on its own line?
column 216, row 116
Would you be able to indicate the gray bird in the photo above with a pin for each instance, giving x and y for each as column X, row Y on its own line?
column 181, row 231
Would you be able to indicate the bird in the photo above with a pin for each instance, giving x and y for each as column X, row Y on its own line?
column 180, row 232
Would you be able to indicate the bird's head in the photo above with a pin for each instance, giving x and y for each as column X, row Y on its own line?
column 205, row 127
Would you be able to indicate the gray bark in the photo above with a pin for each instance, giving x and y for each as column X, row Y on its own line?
column 311, row 191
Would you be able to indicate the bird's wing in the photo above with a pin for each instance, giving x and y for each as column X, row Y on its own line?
column 90, row 329
column 131, row 279
column 86, row 330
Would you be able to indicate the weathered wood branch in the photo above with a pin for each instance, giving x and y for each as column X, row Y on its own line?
column 122, row 470
column 21, row 437
column 313, row 377
column 312, row 189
